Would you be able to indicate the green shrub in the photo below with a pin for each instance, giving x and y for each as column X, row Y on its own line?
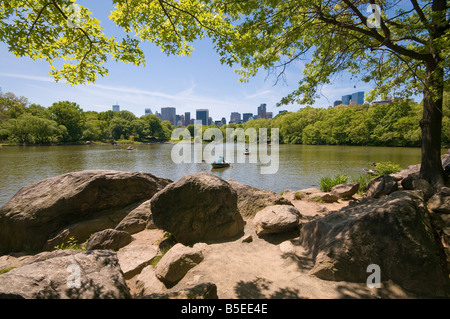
column 327, row 182
column 72, row 243
column 4, row 271
column 386, row 168
column 299, row 195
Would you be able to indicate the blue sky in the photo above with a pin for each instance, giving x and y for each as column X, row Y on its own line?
column 187, row 83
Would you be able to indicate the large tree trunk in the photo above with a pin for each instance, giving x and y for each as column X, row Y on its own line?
column 431, row 124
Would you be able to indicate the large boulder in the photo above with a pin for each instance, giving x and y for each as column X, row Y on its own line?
column 251, row 200
column 87, row 201
column 56, row 277
column 393, row 232
column 197, row 207
column 177, row 262
column 276, row 219
column 381, row 185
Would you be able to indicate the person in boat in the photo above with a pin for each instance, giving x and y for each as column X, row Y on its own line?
column 130, row 148
column 220, row 160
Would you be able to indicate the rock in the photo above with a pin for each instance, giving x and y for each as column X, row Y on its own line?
column 147, row 283
column 345, row 190
column 425, row 187
column 136, row 220
column 276, row 219
column 206, row 290
column 109, row 239
column 407, row 182
column 393, row 232
column 51, row 205
column 251, row 200
column 247, row 239
column 323, row 197
column 133, row 258
column 440, row 202
column 55, row 278
column 287, row 248
column 381, row 185
column 177, row 262
column 197, row 207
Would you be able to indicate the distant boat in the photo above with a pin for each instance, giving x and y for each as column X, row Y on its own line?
column 247, row 152
column 130, row 148
column 220, row 165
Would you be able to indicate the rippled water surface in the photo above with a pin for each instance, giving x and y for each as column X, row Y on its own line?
column 299, row 166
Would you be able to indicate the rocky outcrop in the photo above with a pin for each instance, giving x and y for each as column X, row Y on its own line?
column 53, row 207
column 109, row 239
column 136, row 220
column 197, row 207
column 276, row 219
column 56, row 277
column 345, row 190
column 393, row 232
column 177, row 262
column 251, row 200
column 381, row 185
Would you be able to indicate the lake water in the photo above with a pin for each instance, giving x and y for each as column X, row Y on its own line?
column 300, row 166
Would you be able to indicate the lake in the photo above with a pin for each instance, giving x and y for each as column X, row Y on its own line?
column 300, row 166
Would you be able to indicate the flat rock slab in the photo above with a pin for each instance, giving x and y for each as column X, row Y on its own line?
column 133, row 258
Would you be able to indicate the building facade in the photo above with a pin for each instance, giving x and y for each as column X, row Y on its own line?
column 202, row 115
column 169, row 114
column 116, row 108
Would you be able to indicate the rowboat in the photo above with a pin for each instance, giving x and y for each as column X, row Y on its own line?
column 220, row 165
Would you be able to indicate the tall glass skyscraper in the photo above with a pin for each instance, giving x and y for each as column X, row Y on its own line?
column 202, row 115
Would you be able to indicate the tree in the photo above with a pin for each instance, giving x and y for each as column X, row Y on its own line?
column 400, row 46
column 70, row 115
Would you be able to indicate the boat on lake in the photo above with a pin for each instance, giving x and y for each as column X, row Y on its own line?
column 220, row 165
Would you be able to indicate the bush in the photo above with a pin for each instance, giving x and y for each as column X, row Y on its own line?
column 386, row 168
column 326, row 183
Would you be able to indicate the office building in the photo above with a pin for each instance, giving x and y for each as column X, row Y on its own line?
column 283, row 111
column 262, row 111
column 346, row 99
column 269, row 115
column 337, row 102
column 358, row 98
column 169, row 114
column 202, row 115
column 148, row 111
column 187, row 118
column 246, row 117
column 235, row 117
column 116, row 108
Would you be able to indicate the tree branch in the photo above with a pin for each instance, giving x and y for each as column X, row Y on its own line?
column 168, row 17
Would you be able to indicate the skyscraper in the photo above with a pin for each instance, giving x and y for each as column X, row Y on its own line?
column 202, row 115
column 235, row 117
column 346, row 99
column 187, row 118
column 246, row 116
column 116, row 108
column 148, row 111
column 262, row 111
column 358, row 98
column 169, row 114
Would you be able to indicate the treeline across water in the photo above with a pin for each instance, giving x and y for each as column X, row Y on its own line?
column 394, row 124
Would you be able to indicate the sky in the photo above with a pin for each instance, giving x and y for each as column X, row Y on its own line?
column 186, row 83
